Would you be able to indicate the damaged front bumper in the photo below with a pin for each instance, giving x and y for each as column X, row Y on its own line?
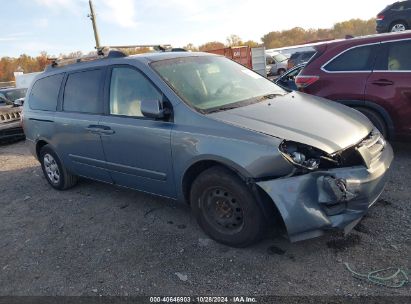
column 313, row 203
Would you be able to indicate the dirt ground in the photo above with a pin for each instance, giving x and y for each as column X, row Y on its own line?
column 98, row 239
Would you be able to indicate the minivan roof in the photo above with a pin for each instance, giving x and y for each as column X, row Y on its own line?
column 146, row 58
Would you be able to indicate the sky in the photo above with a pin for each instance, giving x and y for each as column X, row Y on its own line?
column 62, row 26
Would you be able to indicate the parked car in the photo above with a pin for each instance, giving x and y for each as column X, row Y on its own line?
column 9, row 95
column 287, row 80
column 202, row 129
column 395, row 18
column 371, row 74
column 276, row 63
column 10, row 113
column 298, row 58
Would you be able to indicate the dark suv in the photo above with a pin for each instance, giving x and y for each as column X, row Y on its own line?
column 395, row 18
column 371, row 74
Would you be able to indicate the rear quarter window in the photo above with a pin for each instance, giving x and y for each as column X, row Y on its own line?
column 45, row 92
column 82, row 92
column 360, row 58
column 395, row 56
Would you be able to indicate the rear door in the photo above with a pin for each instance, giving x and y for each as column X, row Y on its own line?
column 77, row 131
column 346, row 74
column 390, row 84
column 137, row 149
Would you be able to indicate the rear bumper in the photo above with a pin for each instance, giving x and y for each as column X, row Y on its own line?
column 310, row 205
column 382, row 27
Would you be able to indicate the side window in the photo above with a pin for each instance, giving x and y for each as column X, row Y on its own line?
column 2, row 99
column 45, row 92
column 270, row 60
column 82, row 92
column 127, row 89
column 357, row 59
column 398, row 57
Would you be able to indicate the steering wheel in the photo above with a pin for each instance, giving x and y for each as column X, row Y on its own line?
column 225, row 86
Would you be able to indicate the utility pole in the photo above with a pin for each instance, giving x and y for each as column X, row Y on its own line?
column 92, row 16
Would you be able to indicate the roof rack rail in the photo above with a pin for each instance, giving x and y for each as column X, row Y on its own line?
column 156, row 47
column 106, row 52
column 101, row 54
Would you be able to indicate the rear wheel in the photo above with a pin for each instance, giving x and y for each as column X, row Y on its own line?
column 55, row 173
column 226, row 209
column 398, row 26
column 376, row 120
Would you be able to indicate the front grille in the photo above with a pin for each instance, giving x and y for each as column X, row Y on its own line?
column 8, row 115
column 371, row 148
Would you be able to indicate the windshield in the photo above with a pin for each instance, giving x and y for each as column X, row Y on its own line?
column 209, row 83
column 16, row 94
column 280, row 58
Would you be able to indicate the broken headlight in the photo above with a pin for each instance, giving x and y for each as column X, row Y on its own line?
column 307, row 157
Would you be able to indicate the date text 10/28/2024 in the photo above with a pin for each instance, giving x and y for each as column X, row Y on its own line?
column 239, row 299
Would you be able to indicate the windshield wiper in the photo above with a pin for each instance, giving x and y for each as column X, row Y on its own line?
column 270, row 96
column 221, row 109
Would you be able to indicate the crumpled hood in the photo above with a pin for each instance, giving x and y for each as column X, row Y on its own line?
column 302, row 118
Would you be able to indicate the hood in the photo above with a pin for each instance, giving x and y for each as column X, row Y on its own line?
column 302, row 118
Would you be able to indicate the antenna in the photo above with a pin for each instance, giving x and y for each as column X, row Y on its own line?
column 92, row 17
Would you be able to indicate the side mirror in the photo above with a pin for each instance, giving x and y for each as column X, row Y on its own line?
column 153, row 109
column 18, row 102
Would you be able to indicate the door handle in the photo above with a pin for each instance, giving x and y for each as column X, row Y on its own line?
column 93, row 129
column 383, row 82
column 99, row 129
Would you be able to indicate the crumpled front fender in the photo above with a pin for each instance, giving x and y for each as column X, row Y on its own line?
column 310, row 204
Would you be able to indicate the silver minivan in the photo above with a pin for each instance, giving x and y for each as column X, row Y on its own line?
column 201, row 129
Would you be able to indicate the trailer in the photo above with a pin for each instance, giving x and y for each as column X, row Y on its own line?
column 252, row 58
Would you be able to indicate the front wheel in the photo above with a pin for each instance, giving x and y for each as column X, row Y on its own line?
column 376, row 120
column 54, row 171
column 226, row 209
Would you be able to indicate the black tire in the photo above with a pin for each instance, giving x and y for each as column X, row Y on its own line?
column 398, row 26
column 376, row 120
column 280, row 72
column 65, row 180
column 226, row 209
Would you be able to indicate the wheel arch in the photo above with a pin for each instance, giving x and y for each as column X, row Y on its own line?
column 268, row 206
column 200, row 165
column 39, row 145
column 399, row 21
column 374, row 107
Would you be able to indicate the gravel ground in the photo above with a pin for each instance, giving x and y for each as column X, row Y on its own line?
column 98, row 239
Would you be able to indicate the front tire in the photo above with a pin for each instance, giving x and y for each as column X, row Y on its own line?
column 54, row 171
column 376, row 120
column 226, row 209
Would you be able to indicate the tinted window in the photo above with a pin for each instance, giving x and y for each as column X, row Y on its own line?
column 45, row 92
column 82, row 92
column 357, row 59
column 397, row 57
column 127, row 89
column 307, row 56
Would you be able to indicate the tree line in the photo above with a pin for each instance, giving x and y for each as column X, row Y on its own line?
column 275, row 39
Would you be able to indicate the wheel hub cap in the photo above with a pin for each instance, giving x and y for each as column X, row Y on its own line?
column 223, row 210
column 51, row 168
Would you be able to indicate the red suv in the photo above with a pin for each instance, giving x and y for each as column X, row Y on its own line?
column 371, row 74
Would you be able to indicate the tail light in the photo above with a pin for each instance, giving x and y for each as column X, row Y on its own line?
column 304, row 81
column 380, row 17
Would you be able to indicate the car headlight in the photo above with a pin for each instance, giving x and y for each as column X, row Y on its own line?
column 307, row 157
